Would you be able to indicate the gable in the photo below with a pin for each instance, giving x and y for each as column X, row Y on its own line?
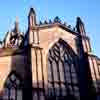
column 48, row 36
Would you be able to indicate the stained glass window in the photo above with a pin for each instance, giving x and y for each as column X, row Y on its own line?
column 61, row 60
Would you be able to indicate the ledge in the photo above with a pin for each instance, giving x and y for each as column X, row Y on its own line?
column 10, row 52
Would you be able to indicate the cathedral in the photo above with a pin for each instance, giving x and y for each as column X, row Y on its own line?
column 50, row 61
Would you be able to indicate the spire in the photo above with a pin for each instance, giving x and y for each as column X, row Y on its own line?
column 31, row 18
column 80, row 26
column 32, row 11
column 16, row 29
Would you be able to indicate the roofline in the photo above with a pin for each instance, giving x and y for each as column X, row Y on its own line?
column 93, row 55
column 53, row 25
column 43, row 26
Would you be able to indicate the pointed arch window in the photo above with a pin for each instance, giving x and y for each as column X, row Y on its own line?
column 62, row 74
column 12, row 88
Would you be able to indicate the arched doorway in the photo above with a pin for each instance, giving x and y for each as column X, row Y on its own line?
column 62, row 71
column 13, row 87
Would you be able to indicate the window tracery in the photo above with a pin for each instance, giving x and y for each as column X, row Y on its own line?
column 61, row 67
column 12, row 88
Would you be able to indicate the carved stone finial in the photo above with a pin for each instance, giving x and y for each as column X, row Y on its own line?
column 65, row 23
column 80, row 26
column 69, row 26
column 40, row 23
column 31, row 11
column 31, row 18
column 79, row 21
column 45, row 22
column 74, row 29
column 50, row 22
column 57, row 20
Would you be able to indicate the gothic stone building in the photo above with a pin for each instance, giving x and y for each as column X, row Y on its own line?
column 51, row 61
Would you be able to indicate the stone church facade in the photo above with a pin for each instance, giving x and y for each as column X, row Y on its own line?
column 51, row 61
